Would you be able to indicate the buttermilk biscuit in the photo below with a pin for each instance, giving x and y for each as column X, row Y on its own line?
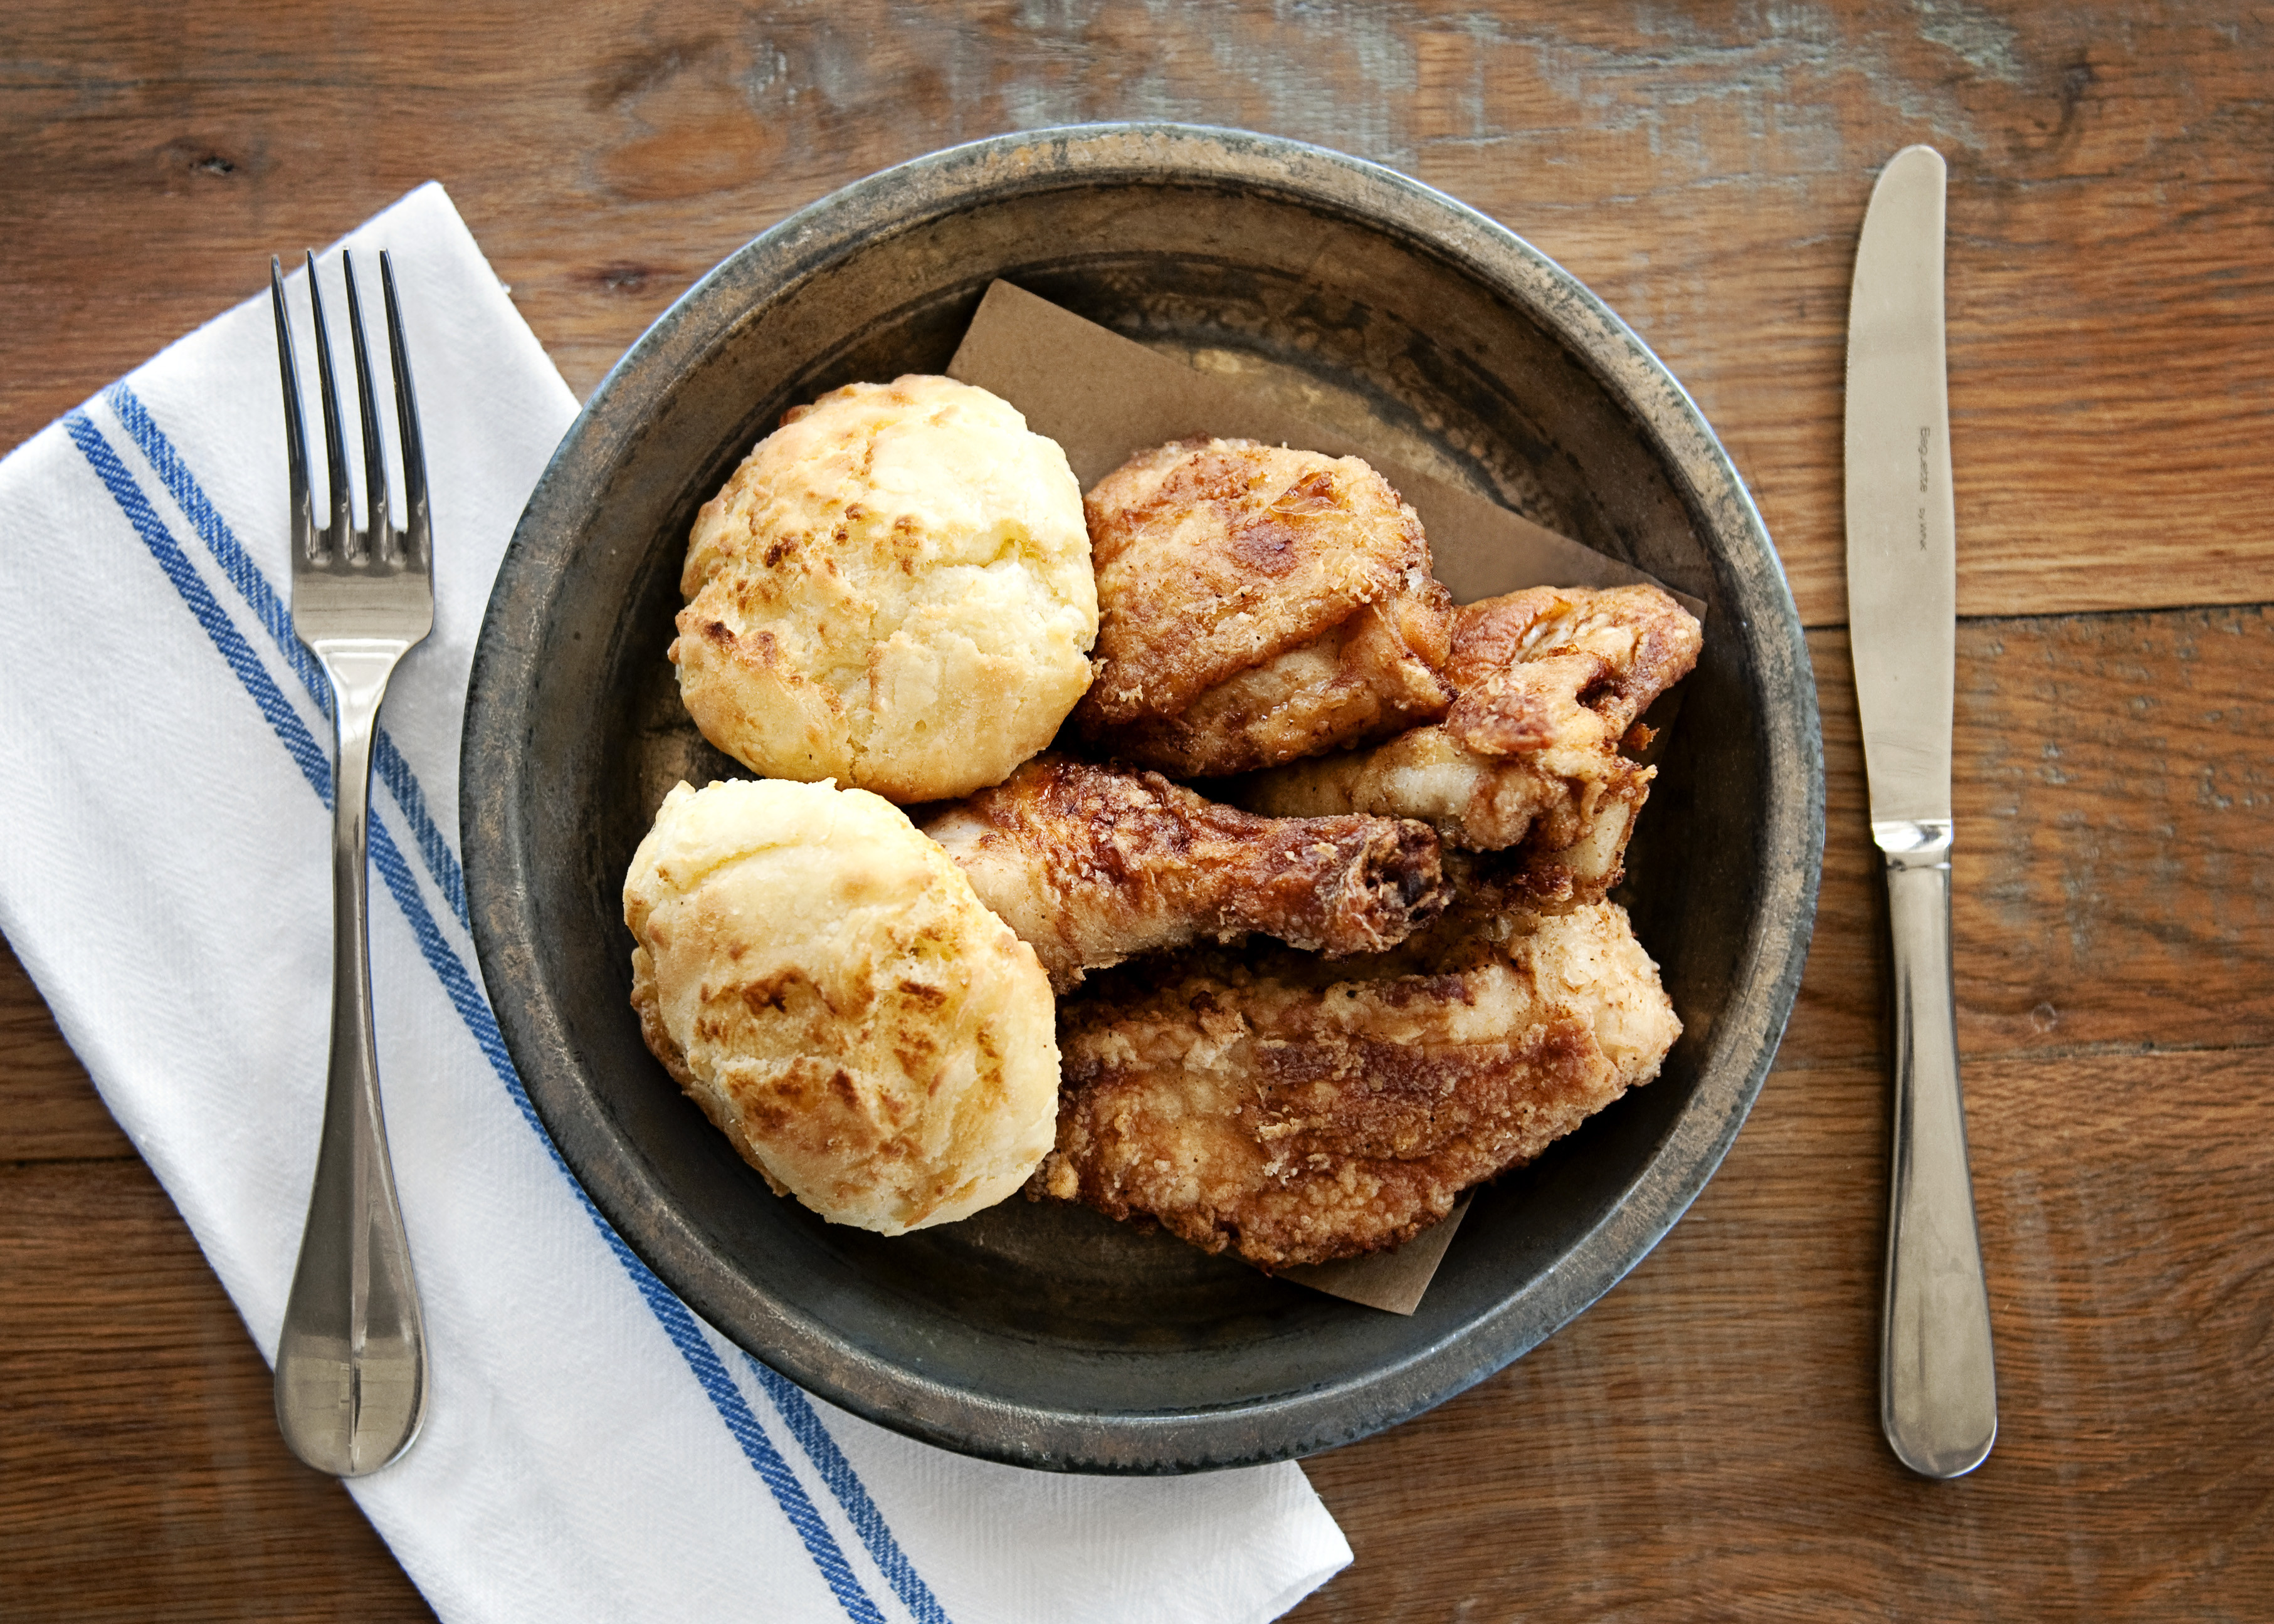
column 893, row 592
column 820, row 979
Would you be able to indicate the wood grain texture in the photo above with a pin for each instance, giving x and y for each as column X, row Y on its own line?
column 141, row 1473
column 2112, row 785
column 2112, row 298
column 1702, row 1443
column 52, row 1113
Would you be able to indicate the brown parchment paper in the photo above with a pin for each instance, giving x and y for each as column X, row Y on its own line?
column 1102, row 396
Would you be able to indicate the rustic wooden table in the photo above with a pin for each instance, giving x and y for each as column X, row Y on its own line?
column 1703, row 1443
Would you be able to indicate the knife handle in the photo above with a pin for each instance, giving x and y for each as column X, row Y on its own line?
column 1938, row 1387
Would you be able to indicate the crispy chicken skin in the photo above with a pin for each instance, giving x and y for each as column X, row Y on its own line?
column 1299, row 1112
column 1550, row 682
column 1518, row 661
column 1091, row 864
column 1257, row 604
column 1375, row 673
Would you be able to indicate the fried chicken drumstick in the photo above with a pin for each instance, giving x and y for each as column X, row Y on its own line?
column 1091, row 864
column 1297, row 1112
column 1550, row 682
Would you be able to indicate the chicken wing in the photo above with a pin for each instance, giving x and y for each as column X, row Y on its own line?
column 1297, row 1112
column 1550, row 682
column 1257, row 604
column 1091, row 864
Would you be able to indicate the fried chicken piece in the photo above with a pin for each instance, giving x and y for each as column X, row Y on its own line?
column 1090, row 865
column 1371, row 675
column 1257, row 604
column 1517, row 659
column 1299, row 1112
column 1550, row 683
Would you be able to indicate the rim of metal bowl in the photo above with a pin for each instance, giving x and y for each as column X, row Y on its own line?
column 1746, row 1030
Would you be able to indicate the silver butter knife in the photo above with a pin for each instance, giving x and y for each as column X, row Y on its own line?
column 1938, row 1387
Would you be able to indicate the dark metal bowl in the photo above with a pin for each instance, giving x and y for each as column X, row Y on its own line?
column 1041, row 1334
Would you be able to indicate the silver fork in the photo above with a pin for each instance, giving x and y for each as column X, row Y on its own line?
column 352, row 1361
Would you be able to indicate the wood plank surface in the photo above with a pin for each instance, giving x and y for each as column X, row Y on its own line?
column 1696, row 1447
column 2112, row 780
column 2112, row 297
column 142, row 1475
column 1703, row 1442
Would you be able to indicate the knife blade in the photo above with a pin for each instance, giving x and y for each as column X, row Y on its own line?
column 1938, row 1384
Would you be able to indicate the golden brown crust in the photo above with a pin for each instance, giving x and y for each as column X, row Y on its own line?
column 1298, row 1115
column 1232, row 577
column 893, row 592
column 820, row 980
column 1375, row 673
column 1533, row 754
column 1526, row 664
column 1092, row 864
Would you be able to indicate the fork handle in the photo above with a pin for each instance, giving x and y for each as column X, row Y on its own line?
column 351, row 1359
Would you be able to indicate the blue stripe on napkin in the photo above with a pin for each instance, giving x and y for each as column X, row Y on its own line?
column 313, row 760
column 844, row 1483
column 271, row 610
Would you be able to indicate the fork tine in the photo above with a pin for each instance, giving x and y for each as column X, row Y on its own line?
column 339, row 533
column 379, row 539
column 296, row 432
column 416, row 532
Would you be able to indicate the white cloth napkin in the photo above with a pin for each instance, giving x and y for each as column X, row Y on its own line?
column 592, row 1450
